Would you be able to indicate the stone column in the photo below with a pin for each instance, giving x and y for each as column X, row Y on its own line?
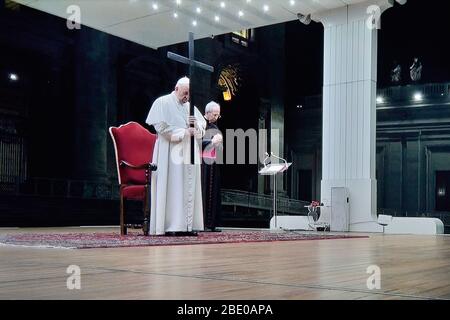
column 91, row 105
column 349, row 111
column 272, row 39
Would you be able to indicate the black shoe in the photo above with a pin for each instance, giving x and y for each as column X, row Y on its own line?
column 212, row 229
column 181, row 234
column 190, row 234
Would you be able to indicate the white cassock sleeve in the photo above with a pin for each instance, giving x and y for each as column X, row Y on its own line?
column 171, row 133
column 199, row 132
column 200, row 126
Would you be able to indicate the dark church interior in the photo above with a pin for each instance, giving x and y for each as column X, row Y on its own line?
column 60, row 91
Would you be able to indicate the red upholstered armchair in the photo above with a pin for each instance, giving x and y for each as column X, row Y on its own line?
column 134, row 151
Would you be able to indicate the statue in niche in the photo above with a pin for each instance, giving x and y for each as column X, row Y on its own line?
column 416, row 70
column 396, row 73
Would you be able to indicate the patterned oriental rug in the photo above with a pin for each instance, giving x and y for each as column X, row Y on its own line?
column 114, row 240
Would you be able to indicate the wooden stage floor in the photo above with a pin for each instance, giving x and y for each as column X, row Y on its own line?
column 411, row 267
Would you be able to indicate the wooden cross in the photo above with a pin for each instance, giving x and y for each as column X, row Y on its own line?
column 192, row 66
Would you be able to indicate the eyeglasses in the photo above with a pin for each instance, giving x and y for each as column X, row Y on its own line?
column 218, row 116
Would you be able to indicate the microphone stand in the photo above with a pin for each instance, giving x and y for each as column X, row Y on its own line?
column 284, row 160
column 265, row 159
column 275, row 189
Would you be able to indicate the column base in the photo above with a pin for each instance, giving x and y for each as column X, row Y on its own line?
column 362, row 203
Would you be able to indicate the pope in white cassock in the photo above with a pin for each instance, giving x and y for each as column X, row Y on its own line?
column 176, row 195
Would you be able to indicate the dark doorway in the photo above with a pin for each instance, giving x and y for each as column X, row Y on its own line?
column 305, row 185
column 442, row 190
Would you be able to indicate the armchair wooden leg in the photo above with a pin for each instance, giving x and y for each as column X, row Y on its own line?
column 123, row 228
column 146, row 225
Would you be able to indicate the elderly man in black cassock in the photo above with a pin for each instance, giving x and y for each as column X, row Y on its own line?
column 212, row 145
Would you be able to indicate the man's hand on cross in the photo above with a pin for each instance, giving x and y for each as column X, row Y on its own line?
column 193, row 121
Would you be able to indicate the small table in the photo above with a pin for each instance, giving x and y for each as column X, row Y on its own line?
column 312, row 218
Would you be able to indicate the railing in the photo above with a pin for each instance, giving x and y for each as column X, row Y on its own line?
column 406, row 93
column 395, row 94
column 238, row 198
column 387, row 211
column 61, row 188
column 13, row 154
column 44, row 187
column 233, row 201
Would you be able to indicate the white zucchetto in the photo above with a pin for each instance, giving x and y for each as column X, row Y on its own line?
column 182, row 81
